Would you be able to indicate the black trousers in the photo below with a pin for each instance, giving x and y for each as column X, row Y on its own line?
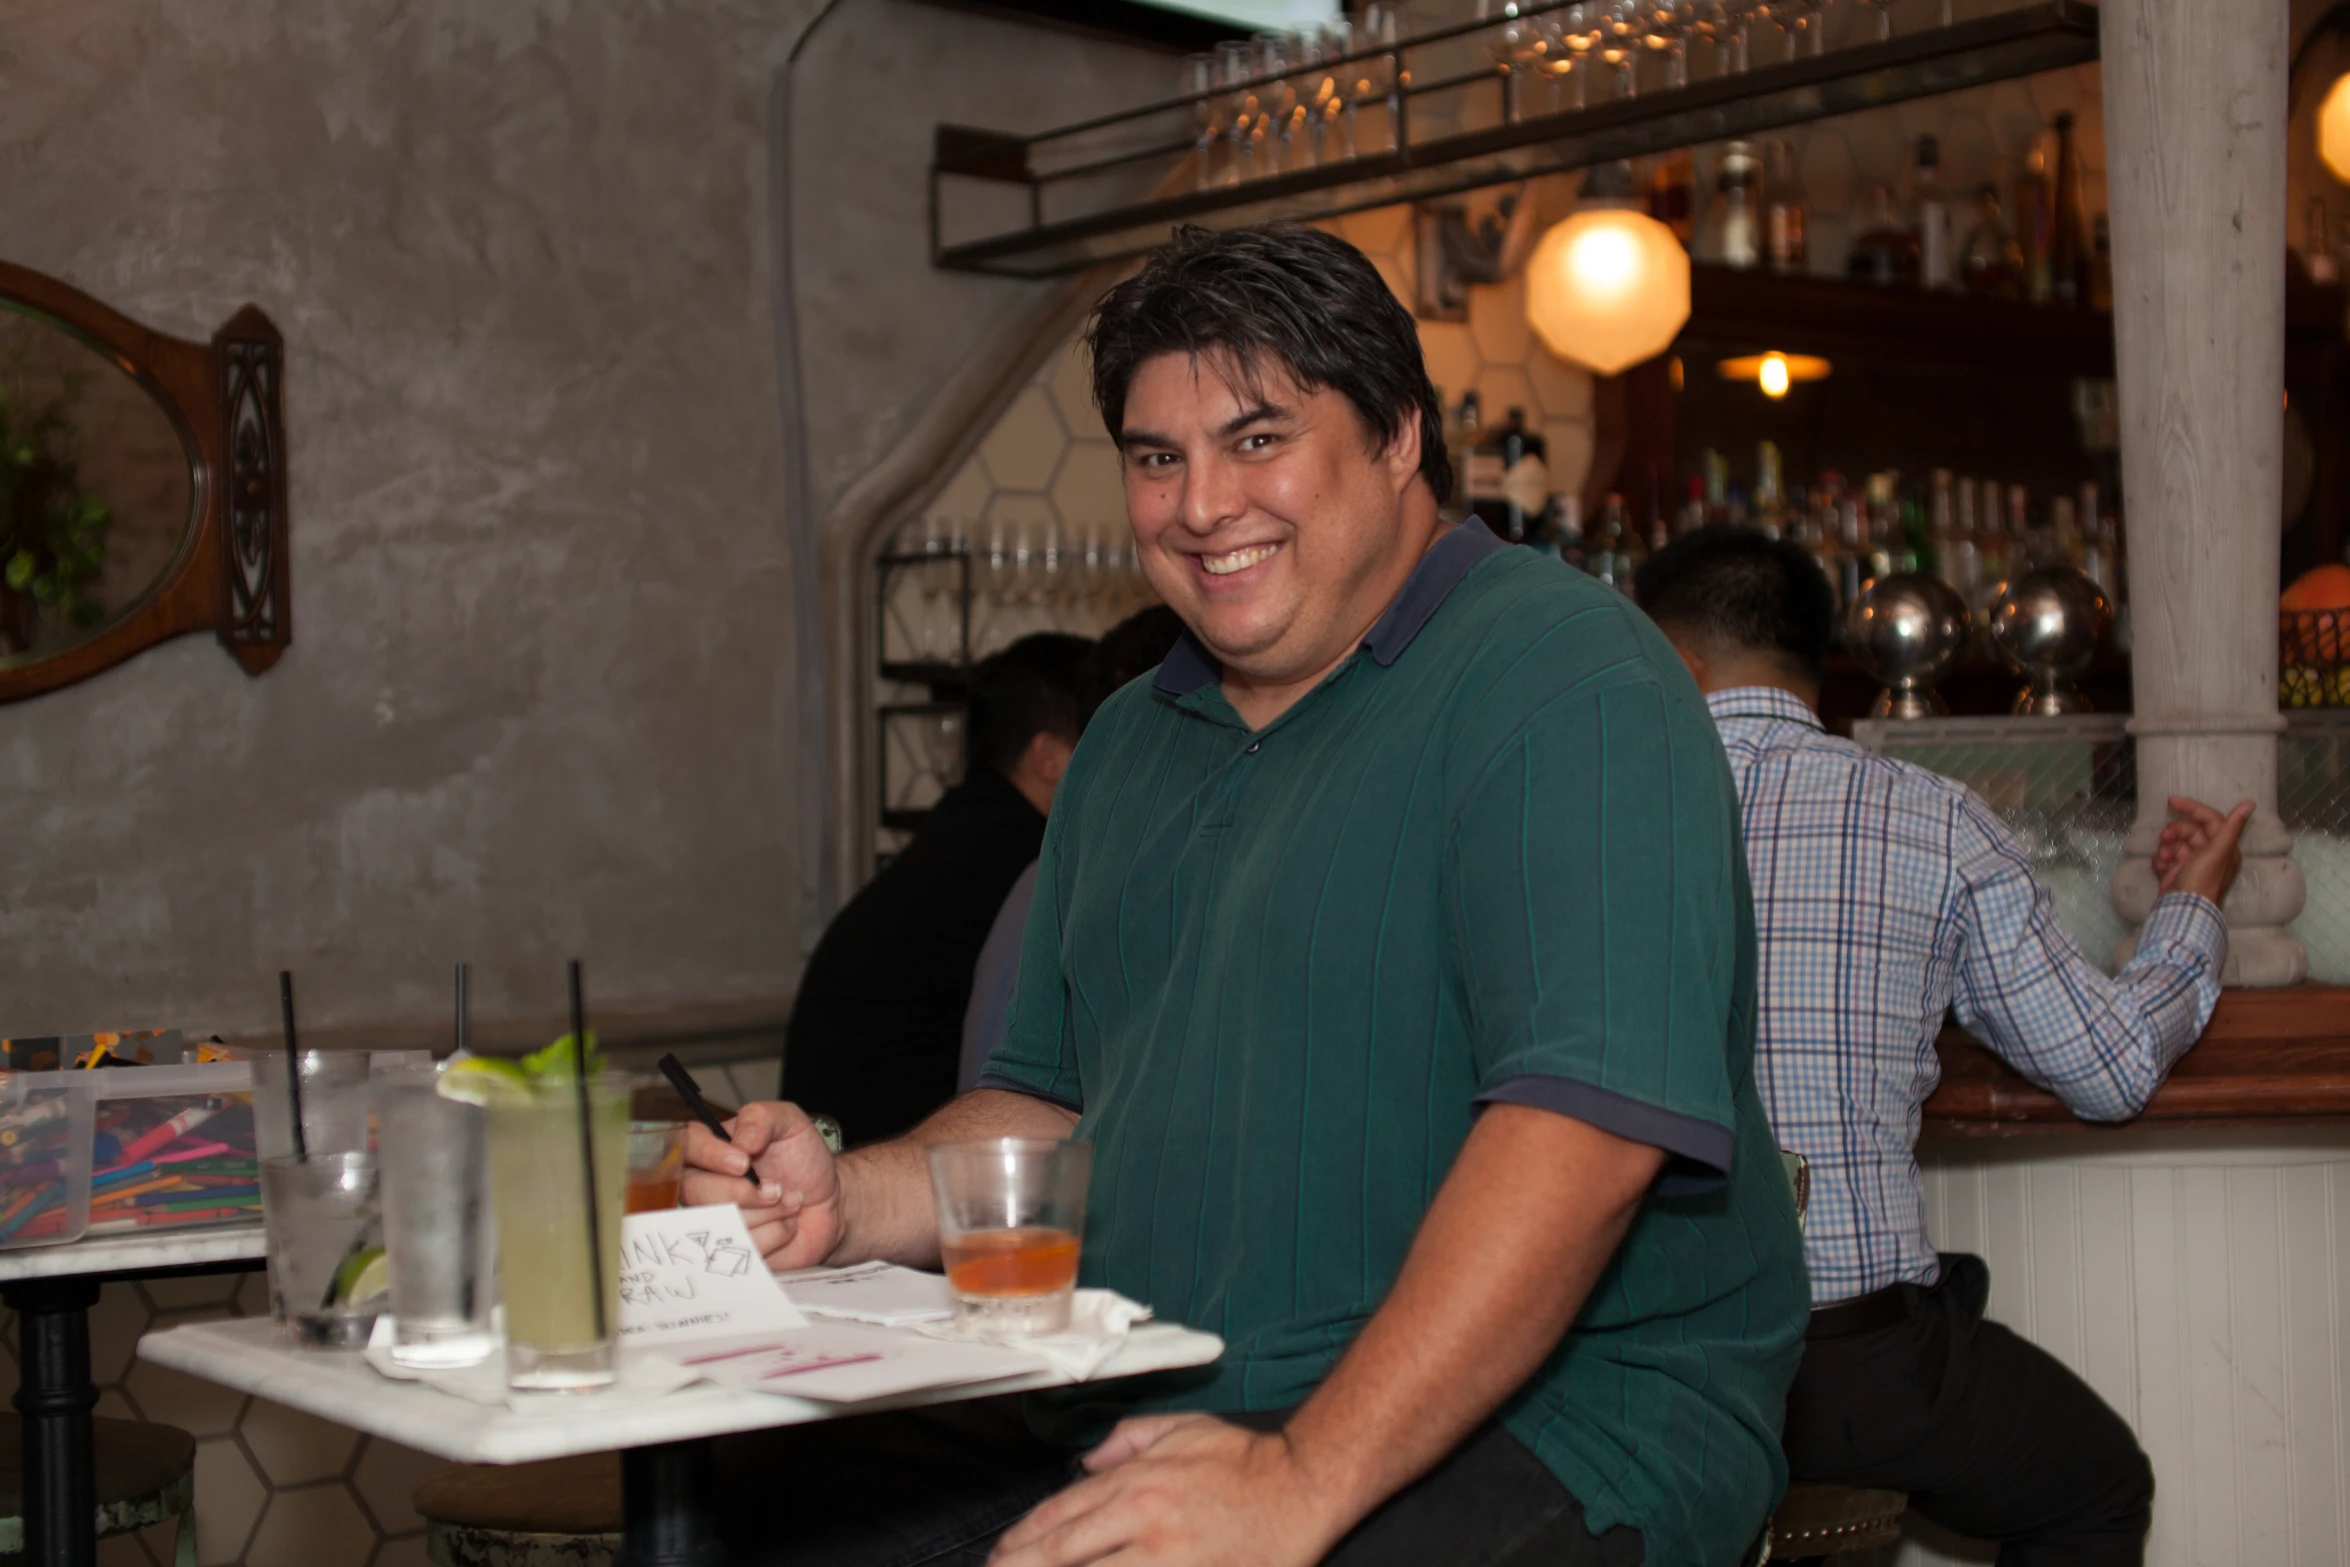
column 938, row 1486
column 1991, row 1436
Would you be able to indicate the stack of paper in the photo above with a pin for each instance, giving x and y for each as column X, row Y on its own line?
column 880, row 1292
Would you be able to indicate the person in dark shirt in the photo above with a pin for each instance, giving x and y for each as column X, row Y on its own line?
column 875, row 1031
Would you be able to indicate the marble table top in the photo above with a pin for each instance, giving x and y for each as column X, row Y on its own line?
column 252, row 1356
column 134, row 1254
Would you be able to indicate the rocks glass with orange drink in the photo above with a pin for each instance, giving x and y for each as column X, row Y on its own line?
column 656, row 1164
column 1010, row 1211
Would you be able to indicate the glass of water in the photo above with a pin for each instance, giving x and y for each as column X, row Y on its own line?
column 324, row 1236
column 434, row 1153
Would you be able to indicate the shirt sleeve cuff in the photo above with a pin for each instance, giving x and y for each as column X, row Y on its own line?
column 1698, row 1151
column 2188, row 920
column 997, row 1080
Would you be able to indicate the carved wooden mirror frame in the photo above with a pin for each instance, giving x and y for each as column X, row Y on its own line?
column 225, row 399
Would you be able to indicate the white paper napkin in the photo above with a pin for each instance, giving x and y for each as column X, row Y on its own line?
column 1099, row 1321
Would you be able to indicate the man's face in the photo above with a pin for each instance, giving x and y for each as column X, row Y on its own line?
column 1270, row 519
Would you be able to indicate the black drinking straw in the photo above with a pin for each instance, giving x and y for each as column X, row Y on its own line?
column 587, row 1146
column 285, row 1003
column 462, row 977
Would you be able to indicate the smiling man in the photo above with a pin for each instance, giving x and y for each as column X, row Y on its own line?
column 1392, row 945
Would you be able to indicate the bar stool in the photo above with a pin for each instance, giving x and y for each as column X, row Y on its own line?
column 1816, row 1520
column 561, row 1512
column 144, row 1474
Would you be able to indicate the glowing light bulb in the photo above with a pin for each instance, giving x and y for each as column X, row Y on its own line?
column 2333, row 128
column 1607, row 289
column 1772, row 377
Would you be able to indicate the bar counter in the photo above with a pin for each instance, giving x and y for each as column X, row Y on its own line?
column 2271, row 1058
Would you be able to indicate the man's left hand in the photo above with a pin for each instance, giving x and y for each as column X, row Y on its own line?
column 1181, row 1491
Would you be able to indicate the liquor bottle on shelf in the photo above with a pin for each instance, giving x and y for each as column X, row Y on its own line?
column 2317, row 245
column 2068, row 240
column 2101, row 265
column 1513, row 478
column 1734, row 226
column 1562, row 532
column 1784, row 210
column 2035, row 222
column 1604, row 553
column 1991, row 262
column 1716, row 468
column 1672, row 193
column 1472, row 482
column 1930, row 200
column 2064, row 534
column 1692, row 513
column 1885, row 252
column 2027, row 550
column 1954, row 538
column 1769, row 509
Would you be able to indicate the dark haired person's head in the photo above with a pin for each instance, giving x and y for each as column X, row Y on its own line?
column 1283, row 449
column 1134, row 647
column 1743, row 608
column 1029, row 703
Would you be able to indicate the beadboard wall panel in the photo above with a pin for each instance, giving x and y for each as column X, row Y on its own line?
column 2194, row 1280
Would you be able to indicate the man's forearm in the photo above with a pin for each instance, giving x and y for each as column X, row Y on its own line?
column 885, row 1189
column 1523, row 1226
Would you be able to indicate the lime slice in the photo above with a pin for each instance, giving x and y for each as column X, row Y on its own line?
column 485, row 1080
column 554, row 1062
column 363, row 1277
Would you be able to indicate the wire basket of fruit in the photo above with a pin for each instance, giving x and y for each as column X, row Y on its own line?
column 2313, row 640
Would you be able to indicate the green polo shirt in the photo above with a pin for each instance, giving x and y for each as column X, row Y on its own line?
column 1494, row 856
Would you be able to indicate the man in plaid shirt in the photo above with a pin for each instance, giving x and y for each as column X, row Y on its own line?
column 1886, row 897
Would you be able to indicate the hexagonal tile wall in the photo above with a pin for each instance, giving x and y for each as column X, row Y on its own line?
column 272, row 1485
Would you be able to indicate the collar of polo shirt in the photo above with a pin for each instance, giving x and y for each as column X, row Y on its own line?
column 1189, row 665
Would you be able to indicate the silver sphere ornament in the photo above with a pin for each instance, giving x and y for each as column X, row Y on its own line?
column 2049, row 623
column 1905, row 629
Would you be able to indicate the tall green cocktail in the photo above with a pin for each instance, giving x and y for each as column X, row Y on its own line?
column 548, row 1274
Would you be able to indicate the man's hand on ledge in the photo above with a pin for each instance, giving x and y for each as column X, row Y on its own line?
column 2200, row 850
column 1179, row 1491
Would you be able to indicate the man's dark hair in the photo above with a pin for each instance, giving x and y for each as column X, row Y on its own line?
column 1280, row 295
column 1041, row 684
column 1742, row 591
column 1134, row 646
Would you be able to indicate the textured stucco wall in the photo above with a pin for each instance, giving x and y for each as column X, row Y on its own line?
column 540, row 697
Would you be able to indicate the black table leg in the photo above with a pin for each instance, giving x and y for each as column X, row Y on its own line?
column 665, row 1500
column 55, row 1396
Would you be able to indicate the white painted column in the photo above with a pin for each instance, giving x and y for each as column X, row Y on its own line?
column 2195, row 167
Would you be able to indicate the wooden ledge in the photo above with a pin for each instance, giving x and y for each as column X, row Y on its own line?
column 2269, row 1058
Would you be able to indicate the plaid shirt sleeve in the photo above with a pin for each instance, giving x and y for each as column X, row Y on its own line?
column 2102, row 1045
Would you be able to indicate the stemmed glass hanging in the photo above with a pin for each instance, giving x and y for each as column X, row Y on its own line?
column 1236, row 65
column 1200, row 84
column 1622, row 27
column 1276, row 101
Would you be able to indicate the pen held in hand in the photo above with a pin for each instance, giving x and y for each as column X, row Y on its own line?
column 691, row 1092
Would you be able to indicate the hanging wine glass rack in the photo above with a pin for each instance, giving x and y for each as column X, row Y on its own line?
column 1058, row 201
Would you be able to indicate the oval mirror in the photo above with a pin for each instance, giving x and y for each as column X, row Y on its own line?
column 98, row 492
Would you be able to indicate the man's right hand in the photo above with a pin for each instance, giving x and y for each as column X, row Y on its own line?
column 2200, row 850
column 782, row 1176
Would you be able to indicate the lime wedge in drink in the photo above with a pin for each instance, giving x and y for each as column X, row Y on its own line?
column 363, row 1276
column 555, row 1061
column 485, row 1080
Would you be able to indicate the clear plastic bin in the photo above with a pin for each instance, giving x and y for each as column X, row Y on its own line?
column 171, row 1147
column 45, row 1120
